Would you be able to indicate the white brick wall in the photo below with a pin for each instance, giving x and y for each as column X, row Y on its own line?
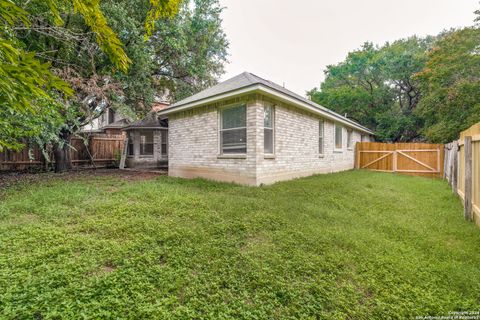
column 297, row 146
column 194, row 145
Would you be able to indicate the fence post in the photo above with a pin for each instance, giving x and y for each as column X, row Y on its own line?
column 395, row 158
column 454, row 167
column 468, row 178
column 357, row 155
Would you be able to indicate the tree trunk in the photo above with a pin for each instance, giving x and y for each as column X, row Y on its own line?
column 61, row 153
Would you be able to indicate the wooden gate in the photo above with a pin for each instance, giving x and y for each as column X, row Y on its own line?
column 421, row 159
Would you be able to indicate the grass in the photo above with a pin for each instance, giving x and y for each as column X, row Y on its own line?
column 351, row 245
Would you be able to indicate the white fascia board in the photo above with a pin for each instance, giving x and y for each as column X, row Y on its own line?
column 306, row 106
column 222, row 96
column 270, row 92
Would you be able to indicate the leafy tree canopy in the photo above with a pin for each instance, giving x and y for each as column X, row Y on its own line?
column 411, row 89
column 450, row 83
column 375, row 86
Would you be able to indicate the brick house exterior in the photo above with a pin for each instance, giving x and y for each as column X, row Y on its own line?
column 303, row 135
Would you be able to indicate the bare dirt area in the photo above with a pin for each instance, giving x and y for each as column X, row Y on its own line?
column 12, row 179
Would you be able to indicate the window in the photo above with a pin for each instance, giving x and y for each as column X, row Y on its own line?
column 320, row 137
column 146, row 143
column 338, row 137
column 164, row 142
column 349, row 139
column 130, row 144
column 268, row 114
column 111, row 115
column 233, row 132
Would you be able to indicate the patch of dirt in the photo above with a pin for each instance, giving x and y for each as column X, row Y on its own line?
column 108, row 269
column 13, row 179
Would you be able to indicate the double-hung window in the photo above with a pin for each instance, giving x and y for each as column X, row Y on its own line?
column 164, row 143
column 233, row 130
column 349, row 139
column 338, row 137
column 321, row 131
column 131, row 138
column 268, row 123
column 146, row 143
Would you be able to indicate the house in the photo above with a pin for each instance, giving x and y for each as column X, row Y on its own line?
column 112, row 122
column 147, row 142
column 251, row 131
column 109, row 122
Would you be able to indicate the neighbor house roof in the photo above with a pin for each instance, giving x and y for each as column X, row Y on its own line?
column 151, row 121
column 246, row 83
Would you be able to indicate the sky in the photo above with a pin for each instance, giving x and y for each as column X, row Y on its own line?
column 292, row 42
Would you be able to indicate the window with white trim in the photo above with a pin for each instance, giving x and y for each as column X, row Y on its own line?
column 338, row 137
column 349, row 139
column 233, row 130
column 164, row 143
column 268, row 124
column 146, row 143
column 321, row 125
column 130, row 149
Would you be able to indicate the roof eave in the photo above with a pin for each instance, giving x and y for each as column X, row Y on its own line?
column 274, row 93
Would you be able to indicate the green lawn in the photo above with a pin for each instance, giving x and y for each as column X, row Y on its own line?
column 351, row 245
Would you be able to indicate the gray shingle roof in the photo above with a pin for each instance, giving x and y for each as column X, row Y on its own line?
column 151, row 121
column 247, row 79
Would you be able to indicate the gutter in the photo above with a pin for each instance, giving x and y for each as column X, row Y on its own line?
column 312, row 107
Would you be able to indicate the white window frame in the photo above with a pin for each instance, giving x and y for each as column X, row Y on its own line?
column 321, row 138
column 272, row 128
column 220, row 130
column 350, row 139
column 146, row 155
column 131, row 142
column 335, row 138
column 164, row 150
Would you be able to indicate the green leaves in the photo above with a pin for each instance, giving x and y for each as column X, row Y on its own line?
column 106, row 38
column 451, row 85
column 159, row 9
column 28, row 86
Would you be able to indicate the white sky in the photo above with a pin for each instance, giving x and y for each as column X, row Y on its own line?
column 292, row 42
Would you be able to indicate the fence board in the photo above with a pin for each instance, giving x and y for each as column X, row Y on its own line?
column 103, row 148
column 421, row 159
column 465, row 174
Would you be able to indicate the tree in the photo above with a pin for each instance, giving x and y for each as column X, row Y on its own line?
column 376, row 87
column 190, row 50
column 450, row 83
column 67, row 34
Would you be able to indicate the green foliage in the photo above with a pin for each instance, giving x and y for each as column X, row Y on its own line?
column 190, row 50
column 75, row 38
column 159, row 9
column 25, row 83
column 313, row 248
column 376, row 87
column 451, row 85
column 412, row 89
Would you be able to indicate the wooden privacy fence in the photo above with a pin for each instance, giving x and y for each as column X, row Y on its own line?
column 462, row 170
column 100, row 150
column 422, row 159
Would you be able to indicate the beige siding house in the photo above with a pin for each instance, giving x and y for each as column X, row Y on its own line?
column 251, row 131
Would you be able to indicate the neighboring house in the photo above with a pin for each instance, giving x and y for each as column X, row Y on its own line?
column 109, row 122
column 112, row 121
column 252, row 131
column 147, row 143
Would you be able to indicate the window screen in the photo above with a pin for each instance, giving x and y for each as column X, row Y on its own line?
column 320, row 137
column 130, row 144
column 233, row 132
column 338, row 137
column 268, row 122
column 349, row 138
column 164, row 142
column 146, row 143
